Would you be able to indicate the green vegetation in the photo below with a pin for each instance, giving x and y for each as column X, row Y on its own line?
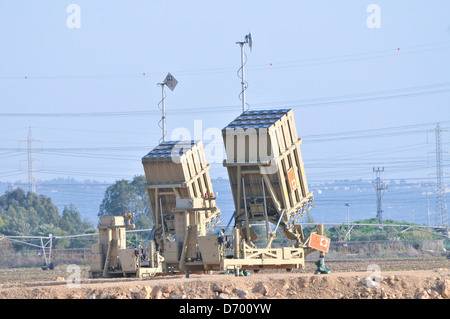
column 363, row 233
column 128, row 197
column 29, row 214
column 371, row 233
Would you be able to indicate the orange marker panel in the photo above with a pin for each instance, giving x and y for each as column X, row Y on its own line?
column 319, row 242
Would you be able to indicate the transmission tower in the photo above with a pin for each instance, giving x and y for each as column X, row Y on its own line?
column 380, row 187
column 30, row 159
column 441, row 206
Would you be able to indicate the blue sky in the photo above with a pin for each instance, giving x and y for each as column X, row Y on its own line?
column 362, row 97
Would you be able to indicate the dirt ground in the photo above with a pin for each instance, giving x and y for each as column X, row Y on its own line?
column 407, row 278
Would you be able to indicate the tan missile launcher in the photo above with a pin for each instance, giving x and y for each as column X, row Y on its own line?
column 182, row 201
column 266, row 170
column 268, row 182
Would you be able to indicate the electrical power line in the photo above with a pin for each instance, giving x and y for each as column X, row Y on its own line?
column 409, row 92
column 352, row 57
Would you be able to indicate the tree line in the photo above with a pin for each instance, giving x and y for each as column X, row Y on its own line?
column 126, row 196
column 29, row 214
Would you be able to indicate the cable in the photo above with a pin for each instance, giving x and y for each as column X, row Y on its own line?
column 355, row 57
column 427, row 47
column 75, row 77
column 245, row 83
column 439, row 88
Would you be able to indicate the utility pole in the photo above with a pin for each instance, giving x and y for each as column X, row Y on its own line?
column 380, row 187
column 428, row 205
column 30, row 159
column 348, row 219
column 441, row 206
column 248, row 40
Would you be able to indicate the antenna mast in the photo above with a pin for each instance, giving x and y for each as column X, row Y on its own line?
column 249, row 40
column 163, row 109
column 171, row 83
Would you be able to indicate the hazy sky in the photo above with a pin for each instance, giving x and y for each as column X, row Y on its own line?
column 367, row 84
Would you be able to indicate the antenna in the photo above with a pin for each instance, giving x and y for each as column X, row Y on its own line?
column 171, row 83
column 249, row 41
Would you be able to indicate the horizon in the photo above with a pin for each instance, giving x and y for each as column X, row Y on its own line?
column 405, row 202
column 73, row 180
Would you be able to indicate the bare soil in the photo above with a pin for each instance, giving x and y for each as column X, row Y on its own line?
column 398, row 278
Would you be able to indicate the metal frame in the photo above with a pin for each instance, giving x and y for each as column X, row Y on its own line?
column 408, row 227
column 46, row 244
